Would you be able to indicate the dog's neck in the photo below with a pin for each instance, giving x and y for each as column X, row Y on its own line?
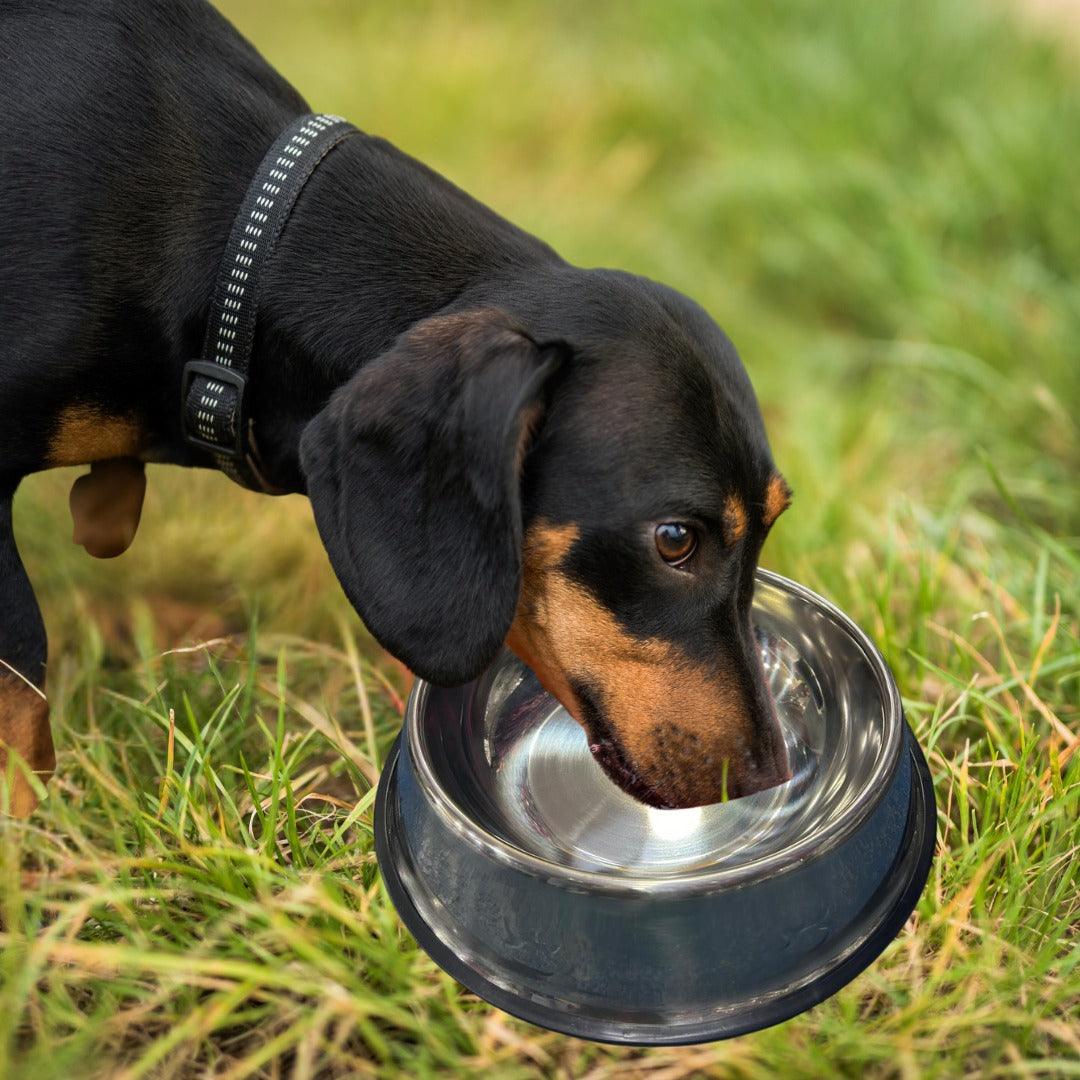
column 377, row 242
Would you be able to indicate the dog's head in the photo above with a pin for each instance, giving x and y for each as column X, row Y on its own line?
column 587, row 480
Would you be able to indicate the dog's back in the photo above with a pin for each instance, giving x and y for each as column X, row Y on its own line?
column 125, row 128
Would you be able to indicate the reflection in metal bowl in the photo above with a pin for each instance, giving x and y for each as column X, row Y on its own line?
column 538, row 883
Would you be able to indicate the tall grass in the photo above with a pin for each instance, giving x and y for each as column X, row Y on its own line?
column 878, row 201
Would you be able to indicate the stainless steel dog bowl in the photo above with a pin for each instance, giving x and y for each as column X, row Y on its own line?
column 532, row 879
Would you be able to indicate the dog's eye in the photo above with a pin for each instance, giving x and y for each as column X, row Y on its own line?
column 675, row 542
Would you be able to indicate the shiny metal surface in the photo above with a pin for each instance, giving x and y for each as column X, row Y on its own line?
column 512, row 772
column 526, row 874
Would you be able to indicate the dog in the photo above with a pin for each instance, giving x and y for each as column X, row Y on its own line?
column 499, row 448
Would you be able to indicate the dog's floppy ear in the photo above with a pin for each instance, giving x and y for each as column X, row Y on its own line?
column 412, row 469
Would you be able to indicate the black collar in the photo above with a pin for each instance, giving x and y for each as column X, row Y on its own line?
column 214, row 405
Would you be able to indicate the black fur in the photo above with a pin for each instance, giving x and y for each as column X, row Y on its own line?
column 129, row 130
column 22, row 632
column 412, row 473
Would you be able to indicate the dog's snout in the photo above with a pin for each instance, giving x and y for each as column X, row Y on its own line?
column 709, row 763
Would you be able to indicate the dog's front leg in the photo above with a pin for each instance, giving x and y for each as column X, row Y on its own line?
column 25, row 736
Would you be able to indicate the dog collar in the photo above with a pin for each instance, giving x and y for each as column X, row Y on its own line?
column 214, row 405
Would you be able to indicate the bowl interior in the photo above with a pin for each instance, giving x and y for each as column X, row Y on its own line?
column 506, row 755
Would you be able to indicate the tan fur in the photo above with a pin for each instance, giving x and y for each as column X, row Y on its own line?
column 544, row 548
column 24, row 729
column 106, row 505
column 84, row 434
column 734, row 519
column 777, row 499
column 676, row 720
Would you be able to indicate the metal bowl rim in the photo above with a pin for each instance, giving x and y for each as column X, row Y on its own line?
column 913, row 860
column 703, row 880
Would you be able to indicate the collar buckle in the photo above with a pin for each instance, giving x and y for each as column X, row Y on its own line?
column 213, row 419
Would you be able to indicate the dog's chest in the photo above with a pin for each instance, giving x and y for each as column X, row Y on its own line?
column 83, row 434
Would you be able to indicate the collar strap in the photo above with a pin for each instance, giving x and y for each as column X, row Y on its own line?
column 214, row 399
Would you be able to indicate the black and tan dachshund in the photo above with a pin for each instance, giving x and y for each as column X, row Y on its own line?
column 499, row 447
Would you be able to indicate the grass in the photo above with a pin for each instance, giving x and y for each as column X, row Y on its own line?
column 878, row 201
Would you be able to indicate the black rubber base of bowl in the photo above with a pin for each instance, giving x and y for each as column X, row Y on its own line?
column 913, row 862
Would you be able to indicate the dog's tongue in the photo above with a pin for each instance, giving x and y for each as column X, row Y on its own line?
column 106, row 504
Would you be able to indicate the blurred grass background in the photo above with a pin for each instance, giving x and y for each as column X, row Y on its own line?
column 879, row 203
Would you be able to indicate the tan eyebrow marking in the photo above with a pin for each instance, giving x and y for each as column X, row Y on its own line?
column 734, row 519
column 777, row 498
